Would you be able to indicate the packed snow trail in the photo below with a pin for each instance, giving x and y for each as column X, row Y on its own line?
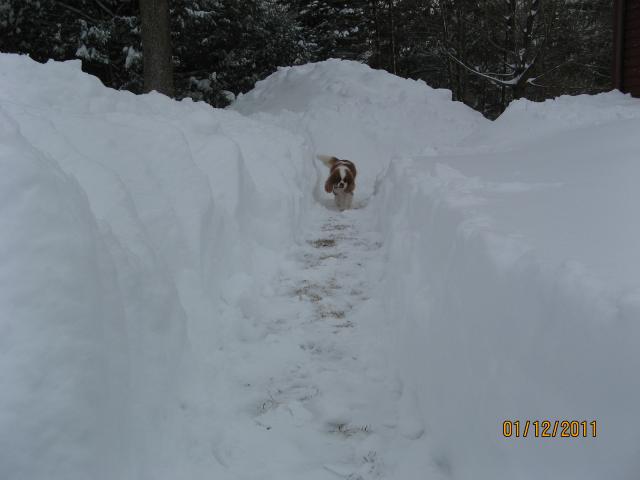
column 319, row 401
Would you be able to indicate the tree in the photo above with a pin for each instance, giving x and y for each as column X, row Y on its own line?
column 518, row 36
column 336, row 28
column 532, row 48
column 156, row 46
column 487, row 52
column 223, row 48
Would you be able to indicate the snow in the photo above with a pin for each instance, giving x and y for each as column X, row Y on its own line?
column 170, row 209
column 133, row 56
column 514, row 273
column 349, row 110
column 56, row 293
column 180, row 299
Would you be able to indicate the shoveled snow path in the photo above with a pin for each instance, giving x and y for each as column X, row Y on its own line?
column 317, row 399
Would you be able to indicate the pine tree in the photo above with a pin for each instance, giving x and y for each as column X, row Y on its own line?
column 224, row 47
column 335, row 28
column 487, row 52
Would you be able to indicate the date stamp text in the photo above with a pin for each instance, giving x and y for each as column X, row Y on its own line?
column 549, row 428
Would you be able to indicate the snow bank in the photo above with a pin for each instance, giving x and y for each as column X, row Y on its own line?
column 525, row 121
column 132, row 227
column 347, row 109
column 61, row 322
column 514, row 288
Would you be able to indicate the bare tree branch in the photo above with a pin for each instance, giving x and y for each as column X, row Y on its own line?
column 104, row 7
column 77, row 11
column 496, row 81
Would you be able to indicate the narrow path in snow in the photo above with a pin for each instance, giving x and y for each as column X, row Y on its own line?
column 320, row 402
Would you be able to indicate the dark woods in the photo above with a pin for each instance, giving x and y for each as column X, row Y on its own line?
column 486, row 52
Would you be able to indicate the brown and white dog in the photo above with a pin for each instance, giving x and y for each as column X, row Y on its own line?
column 341, row 181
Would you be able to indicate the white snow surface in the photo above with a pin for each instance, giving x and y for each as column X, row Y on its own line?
column 180, row 299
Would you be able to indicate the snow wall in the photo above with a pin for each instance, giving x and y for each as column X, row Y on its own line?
column 132, row 228
column 513, row 288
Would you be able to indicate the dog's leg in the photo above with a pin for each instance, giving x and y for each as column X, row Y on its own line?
column 339, row 200
column 343, row 200
column 348, row 200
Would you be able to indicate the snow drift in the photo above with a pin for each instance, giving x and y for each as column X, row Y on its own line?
column 514, row 285
column 60, row 365
column 369, row 116
column 130, row 225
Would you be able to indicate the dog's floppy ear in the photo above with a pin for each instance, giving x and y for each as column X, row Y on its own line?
column 353, row 170
column 351, row 186
column 328, row 185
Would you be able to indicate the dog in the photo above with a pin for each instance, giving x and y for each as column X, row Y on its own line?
column 341, row 181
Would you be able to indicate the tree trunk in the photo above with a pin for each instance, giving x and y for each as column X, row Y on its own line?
column 377, row 43
column 393, row 36
column 156, row 46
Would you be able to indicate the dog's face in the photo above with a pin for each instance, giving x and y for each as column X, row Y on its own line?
column 341, row 179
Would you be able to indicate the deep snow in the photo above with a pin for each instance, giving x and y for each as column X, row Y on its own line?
column 179, row 298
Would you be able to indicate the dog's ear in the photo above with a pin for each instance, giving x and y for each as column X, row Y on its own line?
column 351, row 183
column 350, row 187
column 328, row 185
column 331, row 181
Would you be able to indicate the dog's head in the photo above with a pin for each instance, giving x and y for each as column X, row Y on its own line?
column 340, row 179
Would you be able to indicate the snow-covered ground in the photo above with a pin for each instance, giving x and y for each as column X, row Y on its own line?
column 180, row 299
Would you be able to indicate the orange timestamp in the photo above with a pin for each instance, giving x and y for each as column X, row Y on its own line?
column 549, row 428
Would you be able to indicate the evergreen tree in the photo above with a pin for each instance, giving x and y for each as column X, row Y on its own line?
column 223, row 48
column 333, row 28
column 487, row 52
